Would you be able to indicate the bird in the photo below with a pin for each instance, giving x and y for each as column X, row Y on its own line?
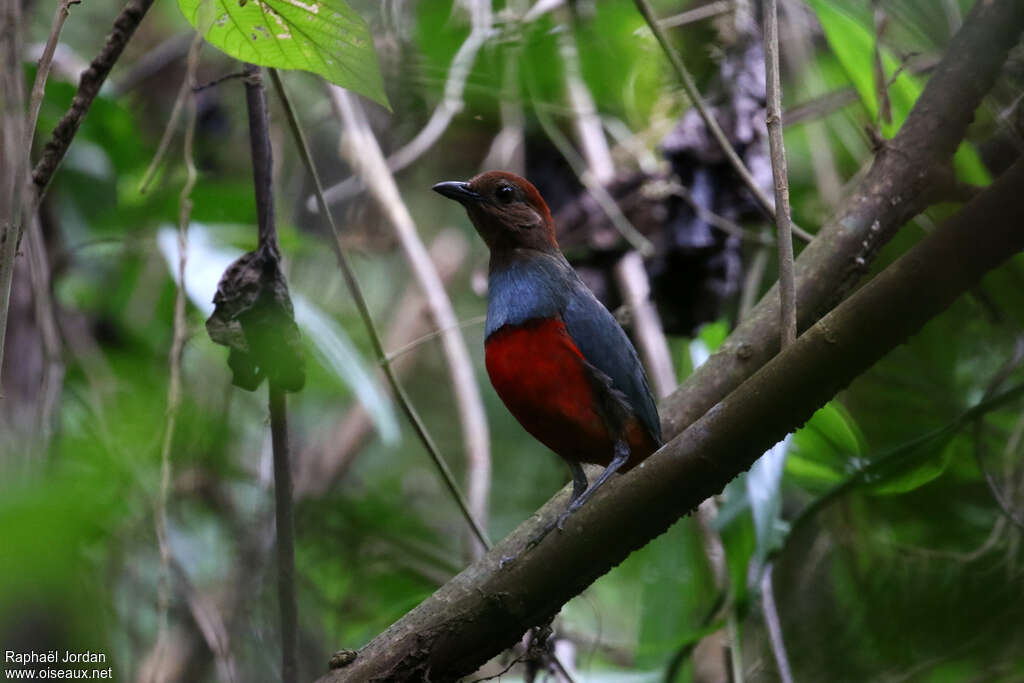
column 557, row 358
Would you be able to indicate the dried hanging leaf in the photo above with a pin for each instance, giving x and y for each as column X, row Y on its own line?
column 253, row 317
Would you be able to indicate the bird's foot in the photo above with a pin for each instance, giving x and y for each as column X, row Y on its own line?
column 560, row 522
column 542, row 534
column 532, row 543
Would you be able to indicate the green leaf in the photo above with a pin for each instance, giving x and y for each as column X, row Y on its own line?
column 325, row 37
column 921, row 465
column 822, row 451
column 853, row 44
column 713, row 334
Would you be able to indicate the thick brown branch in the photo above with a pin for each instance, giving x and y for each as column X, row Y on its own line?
column 489, row 605
column 893, row 190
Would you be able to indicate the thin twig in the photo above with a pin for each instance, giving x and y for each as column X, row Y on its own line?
column 631, row 278
column 708, row 11
column 878, row 65
column 716, row 220
column 777, row 148
column 481, row 19
column 508, row 150
column 364, row 312
column 49, row 331
column 771, row 618
column 43, row 71
column 607, row 203
column 262, row 162
column 994, row 534
column 152, row 62
column 787, row 286
column 172, row 124
column 359, row 147
column 410, row 346
column 581, row 102
column 325, row 463
column 12, row 156
column 165, row 139
column 175, row 356
column 822, row 105
column 217, row 81
column 799, row 58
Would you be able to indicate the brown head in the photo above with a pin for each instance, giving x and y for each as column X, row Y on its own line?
column 506, row 210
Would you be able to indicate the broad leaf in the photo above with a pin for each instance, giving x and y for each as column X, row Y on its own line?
column 326, row 37
column 824, row 449
column 921, row 465
column 853, row 44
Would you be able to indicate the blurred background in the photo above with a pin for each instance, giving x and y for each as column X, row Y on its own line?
column 913, row 573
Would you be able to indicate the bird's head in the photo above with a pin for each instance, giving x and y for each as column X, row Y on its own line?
column 506, row 210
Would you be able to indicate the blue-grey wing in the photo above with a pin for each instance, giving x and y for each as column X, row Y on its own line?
column 605, row 345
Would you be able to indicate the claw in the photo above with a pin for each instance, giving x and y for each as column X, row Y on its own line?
column 535, row 541
column 561, row 519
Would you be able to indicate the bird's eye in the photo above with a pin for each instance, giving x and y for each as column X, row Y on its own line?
column 505, row 193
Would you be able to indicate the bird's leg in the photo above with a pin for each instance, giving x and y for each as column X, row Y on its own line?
column 618, row 460
column 579, row 487
column 579, row 498
column 579, row 480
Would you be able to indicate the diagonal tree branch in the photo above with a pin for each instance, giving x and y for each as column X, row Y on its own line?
column 487, row 607
column 360, row 148
column 375, row 340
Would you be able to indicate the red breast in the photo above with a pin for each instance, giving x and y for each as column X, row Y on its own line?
column 543, row 379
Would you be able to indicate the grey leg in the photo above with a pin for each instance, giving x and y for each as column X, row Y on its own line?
column 579, row 498
column 579, row 480
column 618, row 460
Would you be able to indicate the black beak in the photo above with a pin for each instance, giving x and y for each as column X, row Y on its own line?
column 458, row 191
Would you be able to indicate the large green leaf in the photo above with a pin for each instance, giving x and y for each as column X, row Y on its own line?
column 853, row 44
column 326, row 37
column 824, row 450
column 921, row 465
